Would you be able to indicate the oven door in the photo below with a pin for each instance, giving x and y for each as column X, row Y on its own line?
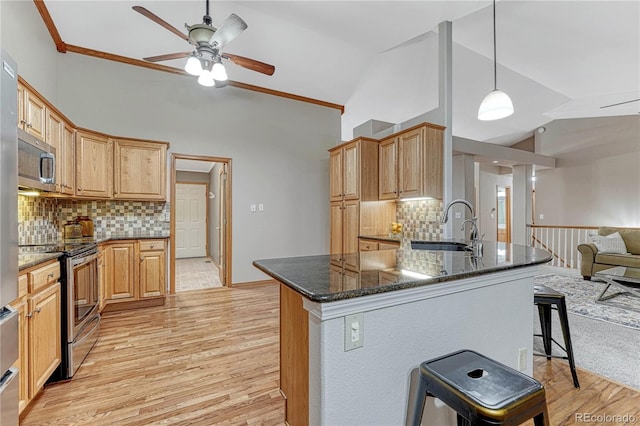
column 82, row 293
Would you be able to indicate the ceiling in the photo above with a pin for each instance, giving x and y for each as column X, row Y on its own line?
column 556, row 59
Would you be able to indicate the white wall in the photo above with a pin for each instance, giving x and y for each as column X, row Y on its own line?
column 278, row 146
column 596, row 181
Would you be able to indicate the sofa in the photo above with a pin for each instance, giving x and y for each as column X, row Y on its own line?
column 594, row 260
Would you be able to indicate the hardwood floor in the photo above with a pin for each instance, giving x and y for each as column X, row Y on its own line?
column 210, row 357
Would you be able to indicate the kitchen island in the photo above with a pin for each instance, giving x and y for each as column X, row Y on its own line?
column 351, row 339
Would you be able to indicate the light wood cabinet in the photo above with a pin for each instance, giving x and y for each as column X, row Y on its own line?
column 39, row 328
column 133, row 273
column 411, row 163
column 120, row 283
column 354, row 171
column 61, row 136
column 44, row 336
column 140, row 170
column 94, row 165
column 31, row 112
column 153, row 266
column 102, row 290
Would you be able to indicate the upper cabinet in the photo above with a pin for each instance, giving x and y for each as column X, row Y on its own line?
column 411, row 163
column 31, row 112
column 94, row 165
column 353, row 171
column 140, row 170
column 61, row 136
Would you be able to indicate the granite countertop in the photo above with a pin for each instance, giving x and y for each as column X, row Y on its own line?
column 318, row 278
column 29, row 259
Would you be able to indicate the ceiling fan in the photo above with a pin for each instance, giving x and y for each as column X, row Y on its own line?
column 205, row 61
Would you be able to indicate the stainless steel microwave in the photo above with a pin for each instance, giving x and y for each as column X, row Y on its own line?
column 36, row 163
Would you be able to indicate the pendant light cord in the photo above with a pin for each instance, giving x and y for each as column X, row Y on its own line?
column 495, row 66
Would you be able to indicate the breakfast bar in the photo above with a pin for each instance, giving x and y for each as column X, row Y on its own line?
column 351, row 338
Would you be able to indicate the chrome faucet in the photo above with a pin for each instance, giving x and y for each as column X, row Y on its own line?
column 476, row 243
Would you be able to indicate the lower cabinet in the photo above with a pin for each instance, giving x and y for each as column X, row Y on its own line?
column 39, row 322
column 133, row 273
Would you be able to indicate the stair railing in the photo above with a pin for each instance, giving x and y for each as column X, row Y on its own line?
column 561, row 241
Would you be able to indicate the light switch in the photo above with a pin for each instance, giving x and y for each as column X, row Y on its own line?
column 261, row 207
column 253, row 208
column 353, row 331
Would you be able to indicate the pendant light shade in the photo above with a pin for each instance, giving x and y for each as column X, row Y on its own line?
column 496, row 104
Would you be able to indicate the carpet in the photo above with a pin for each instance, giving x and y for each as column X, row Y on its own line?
column 605, row 338
column 580, row 296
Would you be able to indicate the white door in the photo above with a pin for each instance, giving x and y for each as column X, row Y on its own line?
column 191, row 220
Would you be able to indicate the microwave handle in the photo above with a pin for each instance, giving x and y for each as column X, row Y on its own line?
column 43, row 157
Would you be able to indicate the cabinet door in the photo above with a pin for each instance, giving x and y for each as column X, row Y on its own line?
column 335, row 175
column 22, row 119
column 94, row 165
column 34, row 110
column 44, row 336
column 66, row 160
column 152, row 273
column 411, row 164
column 433, row 180
column 54, row 138
column 351, row 171
column 388, row 189
column 22, row 363
column 102, row 278
column 120, row 272
column 140, row 169
column 350, row 231
column 336, row 227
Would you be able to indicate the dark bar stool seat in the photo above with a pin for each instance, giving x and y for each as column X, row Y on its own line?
column 482, row 391
column 547, row 299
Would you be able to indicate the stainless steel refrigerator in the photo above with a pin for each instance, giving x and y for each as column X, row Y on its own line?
column 8, row 240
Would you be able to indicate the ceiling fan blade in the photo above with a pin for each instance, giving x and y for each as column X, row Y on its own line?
column 167, row 57
column 160, row 22
column 251, row 64
column 230, row 29
column 620, row 103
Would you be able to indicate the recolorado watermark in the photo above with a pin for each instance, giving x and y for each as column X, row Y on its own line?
column 600, row 419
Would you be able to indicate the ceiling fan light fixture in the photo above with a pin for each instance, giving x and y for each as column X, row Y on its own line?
column 193, row 66
column 206, row 79
column 496, row 105
column 218, row 72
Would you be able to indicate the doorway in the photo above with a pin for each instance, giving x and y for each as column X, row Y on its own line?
column 503, row 202
column 200, row 218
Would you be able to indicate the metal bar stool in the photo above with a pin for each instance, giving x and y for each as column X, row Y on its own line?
column 547, row 299
column 482, row 391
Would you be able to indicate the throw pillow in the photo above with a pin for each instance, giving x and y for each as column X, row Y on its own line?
column 613, row 243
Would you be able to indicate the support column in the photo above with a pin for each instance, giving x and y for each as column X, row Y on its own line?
column 522, row 203
column 445, row 80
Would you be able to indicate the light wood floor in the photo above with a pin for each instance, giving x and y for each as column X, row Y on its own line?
column 210, row 357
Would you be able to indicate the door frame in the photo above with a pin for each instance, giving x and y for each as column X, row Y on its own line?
column 226, row 226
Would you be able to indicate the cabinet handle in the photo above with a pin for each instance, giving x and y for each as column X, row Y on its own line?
column 50, row 275
column 29, row 315
column 29, row 125
column 23, row 122
column 141, row 258
column 37, row 310
column 152, row 245
column 79, row 189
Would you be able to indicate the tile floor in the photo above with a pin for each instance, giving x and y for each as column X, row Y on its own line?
column 196, row 273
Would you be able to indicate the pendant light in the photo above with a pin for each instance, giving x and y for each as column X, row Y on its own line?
column 496, row 104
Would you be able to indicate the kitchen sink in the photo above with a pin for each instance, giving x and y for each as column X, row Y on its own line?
column 439, row 245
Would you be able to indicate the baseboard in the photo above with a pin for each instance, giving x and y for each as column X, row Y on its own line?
column 135, row 304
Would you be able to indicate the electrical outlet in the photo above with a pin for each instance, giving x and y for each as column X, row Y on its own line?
column 253, row 208
column 522, row 359
column 353, row 331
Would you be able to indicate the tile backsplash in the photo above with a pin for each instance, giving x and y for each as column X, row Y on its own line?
column 42, row 219
column 420, row 219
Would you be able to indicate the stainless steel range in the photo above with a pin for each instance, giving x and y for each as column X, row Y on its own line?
column 80, row 320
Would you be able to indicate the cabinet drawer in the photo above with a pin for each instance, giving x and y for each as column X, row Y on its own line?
column 40, row 277
column 23, row 287
column 388, row 246
column 368, row 246
column 146, row 245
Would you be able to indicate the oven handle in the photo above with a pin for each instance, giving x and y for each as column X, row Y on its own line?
column 85, row 259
